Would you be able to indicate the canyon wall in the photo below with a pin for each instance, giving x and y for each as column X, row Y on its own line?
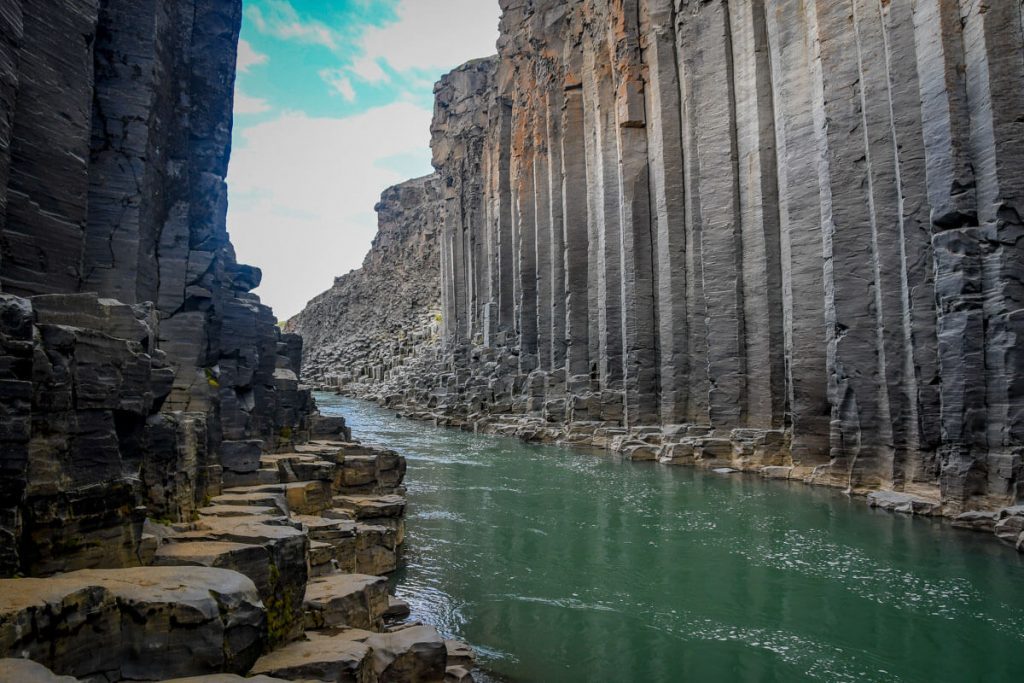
column 780, row 235
column 137, row 371
column 374, row 320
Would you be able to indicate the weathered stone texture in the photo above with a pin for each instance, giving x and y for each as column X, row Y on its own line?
column 136, row 347
column 786, row 234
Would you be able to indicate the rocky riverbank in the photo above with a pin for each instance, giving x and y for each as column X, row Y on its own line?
column 282, row 577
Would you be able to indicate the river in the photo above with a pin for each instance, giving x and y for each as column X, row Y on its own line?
column 565, row 565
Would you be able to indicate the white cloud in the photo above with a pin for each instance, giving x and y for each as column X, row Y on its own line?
column 245, row 104
column 430, row 34
column 280, row 19
column 248, row 57
column 341, row 83
column 369, row 70
column 303, row 191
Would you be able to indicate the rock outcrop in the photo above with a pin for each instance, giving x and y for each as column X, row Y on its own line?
column 165, row 480
column 756, row 234
column 374, row 319
column 135, row 624
column 133, row 358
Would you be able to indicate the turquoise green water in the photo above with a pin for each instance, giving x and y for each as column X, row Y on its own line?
column 560, row 565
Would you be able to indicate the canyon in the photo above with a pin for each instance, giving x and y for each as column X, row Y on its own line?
column 172, row 504
column 779, row 237
column 771, row 235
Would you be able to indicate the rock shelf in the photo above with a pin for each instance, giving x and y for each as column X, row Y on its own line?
column 295, row 567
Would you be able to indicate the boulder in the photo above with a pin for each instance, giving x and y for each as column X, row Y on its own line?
column 353, row 600
column 904, row 503
column 138, row 624
column 415, row 654
column 459, row 653
column 288, row 549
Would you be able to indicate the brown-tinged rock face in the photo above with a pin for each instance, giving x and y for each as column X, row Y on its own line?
column 135, row 364
column 765, row 233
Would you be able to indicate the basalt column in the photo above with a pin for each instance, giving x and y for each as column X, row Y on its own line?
column 139, row 372
column 775, row 233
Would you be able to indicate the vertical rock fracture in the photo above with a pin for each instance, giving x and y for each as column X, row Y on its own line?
column 781, row 235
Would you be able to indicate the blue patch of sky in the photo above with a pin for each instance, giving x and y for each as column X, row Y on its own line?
column 293, row 77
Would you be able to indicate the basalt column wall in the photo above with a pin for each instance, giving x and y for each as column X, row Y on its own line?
column 136, row 368
column 774, row 232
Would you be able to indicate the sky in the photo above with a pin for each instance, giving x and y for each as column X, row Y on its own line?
column 332, row 105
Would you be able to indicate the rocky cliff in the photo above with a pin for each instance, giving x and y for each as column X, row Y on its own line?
column 171, row 504
column 369, row 324
column 770, row 234
column 135, row 364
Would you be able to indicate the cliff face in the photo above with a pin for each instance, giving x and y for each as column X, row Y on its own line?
column 373, row 319
column 135, row 365
column 759, row 233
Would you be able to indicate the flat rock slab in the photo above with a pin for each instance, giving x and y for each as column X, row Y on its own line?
column 153, row 623
column 27, row 671
column 353, row 600
column 236, row 498
column 330, row 657
column 903, row 503
column 252, row 561
column 372, row 507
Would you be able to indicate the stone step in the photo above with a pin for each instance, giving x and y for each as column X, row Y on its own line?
column 353, row 600
column 250, row 497
column 326, row 530
column 260, row 477
column 331, row 658
column 287, row 548
column 416, row 653
column 295, row 467
column 372, row 507
column 252, row 561
column 301, row 497
column 238, row 511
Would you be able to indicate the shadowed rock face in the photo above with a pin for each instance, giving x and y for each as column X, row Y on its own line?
column 132, row 353
column 770, row 232
column 375, row 318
